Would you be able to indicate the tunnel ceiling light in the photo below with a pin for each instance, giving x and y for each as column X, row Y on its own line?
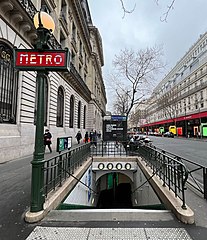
column 101, row 166
column 110, row 166
column 128, row 166
column 118, row 166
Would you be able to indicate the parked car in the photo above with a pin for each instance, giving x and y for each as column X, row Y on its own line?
column 168, row 134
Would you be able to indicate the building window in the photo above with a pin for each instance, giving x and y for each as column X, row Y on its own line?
column 63, row 12
column 80, row 69
column 44, row 7
column 73, row 58
column 72, row 101
column 62, row 40
column 74, row 33
column 60, row 107
column 201, row 95
column 84, row 117
column 79, row 114
column 81, row 49
column 8, row 85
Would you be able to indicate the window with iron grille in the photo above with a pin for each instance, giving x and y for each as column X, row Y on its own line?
column 60, row 107
column 79, row 114
column 71, row 111
column 84, row 117
column 8, row 85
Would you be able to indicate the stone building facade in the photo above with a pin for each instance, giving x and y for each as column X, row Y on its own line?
column 180, row 99
column 74, row 100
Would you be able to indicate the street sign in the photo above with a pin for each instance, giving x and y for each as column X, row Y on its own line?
column 33, row 60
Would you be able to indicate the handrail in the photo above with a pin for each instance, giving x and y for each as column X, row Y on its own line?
column 57, row 168
column 172, row 172
column 193, row 167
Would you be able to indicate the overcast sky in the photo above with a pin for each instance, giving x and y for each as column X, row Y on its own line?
column 143, row 28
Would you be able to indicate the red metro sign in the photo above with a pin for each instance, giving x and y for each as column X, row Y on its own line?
column 32, row 60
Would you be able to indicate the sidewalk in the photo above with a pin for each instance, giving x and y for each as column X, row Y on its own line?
column 108, row 224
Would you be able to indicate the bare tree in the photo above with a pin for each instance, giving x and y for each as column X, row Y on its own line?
column 121, row 103
column 135, row 72
column 163, row 18
column 167, row 103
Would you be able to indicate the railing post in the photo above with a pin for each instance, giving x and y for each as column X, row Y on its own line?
column 205, row 182
column 60, row 165
column 184, row 179
column 164, row 165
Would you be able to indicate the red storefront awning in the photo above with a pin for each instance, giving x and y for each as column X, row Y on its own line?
column 173, row 120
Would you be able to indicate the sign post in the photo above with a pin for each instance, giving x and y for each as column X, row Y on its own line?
column 42, row 60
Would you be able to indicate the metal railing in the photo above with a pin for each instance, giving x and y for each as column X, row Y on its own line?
column 112, row 149
column 197, row 173
column 171, row 171
column 57, row 169
column 168, row 167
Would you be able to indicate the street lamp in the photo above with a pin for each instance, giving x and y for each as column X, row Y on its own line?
column 45, row 26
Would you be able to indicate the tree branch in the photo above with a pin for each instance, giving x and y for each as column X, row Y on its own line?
column 169, row 8
column 125, row 10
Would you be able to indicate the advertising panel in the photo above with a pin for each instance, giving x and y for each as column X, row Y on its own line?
column 64, row 143
column 115, row 128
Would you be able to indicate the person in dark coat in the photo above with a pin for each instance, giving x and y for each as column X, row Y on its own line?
column 47, row 139
column 95, row 138
column 78, row 136
column 86, row 137
column 91, row 136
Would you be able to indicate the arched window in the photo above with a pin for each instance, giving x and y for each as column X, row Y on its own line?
column 60, row 107
column 79, row 114
column 84, row 117
column 8, row 85
column 72, row 101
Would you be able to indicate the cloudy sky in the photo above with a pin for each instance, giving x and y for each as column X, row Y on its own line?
column 143, row 27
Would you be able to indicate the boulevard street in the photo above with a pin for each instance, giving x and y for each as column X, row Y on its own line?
column 191, row 149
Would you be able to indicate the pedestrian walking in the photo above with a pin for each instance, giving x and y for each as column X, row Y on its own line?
column 95, row 138
column 86, row 137
column 47, row 139
column 78, row 136
column 91, row 136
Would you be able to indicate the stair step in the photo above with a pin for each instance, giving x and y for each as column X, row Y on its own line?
column 109, row 215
